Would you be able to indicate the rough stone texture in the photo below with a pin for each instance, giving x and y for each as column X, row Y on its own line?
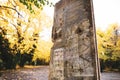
column 74, row 55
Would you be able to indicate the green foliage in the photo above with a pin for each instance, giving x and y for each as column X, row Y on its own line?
column 38, row 3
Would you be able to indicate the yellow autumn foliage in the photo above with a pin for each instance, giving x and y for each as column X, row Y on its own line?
column 21, row 24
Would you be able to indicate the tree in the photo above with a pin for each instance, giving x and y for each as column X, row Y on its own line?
column 38, row 3
column 16, row 21
column 108, row 47
column 5, row 52
column 22, row 29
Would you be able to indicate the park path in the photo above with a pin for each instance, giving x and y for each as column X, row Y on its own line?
column 110, row 76
column 42, row 73
column 38, row 73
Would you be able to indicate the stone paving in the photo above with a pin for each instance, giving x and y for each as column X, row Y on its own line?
column 42, row 73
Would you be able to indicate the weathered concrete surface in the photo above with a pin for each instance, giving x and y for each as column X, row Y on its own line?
column 74, row 55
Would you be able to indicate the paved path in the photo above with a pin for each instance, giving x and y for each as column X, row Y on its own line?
column 110, row 76
column 41, row 73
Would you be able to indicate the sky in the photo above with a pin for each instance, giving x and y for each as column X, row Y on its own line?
column 106, row 12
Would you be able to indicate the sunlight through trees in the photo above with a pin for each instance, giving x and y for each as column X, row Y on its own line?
column 109, row 47
column 20, row 29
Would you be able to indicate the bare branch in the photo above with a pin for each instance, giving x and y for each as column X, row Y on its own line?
column 3, row 18
column 11, row 9
column 13, row 25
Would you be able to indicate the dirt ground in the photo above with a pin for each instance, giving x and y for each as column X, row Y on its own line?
column 42, row 73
